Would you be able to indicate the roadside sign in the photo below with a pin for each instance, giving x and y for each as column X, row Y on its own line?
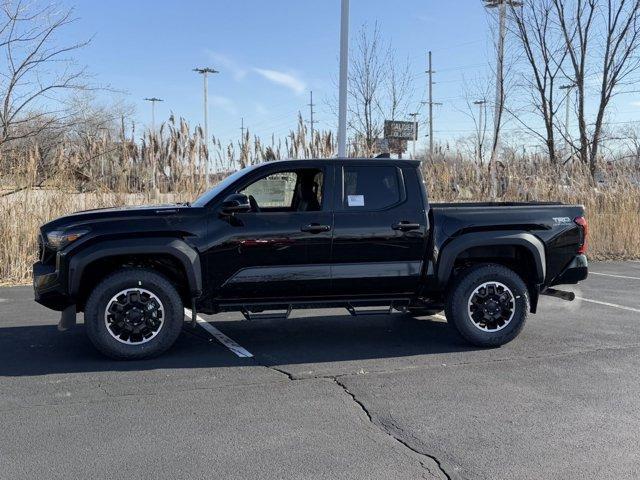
column 400, row 130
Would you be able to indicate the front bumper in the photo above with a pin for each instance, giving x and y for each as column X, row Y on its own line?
column 575, row 272
column 48, row 288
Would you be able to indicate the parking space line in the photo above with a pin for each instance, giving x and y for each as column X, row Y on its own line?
column 607, row 304
column 220, row 337
column 598, row 302
column 612, row 275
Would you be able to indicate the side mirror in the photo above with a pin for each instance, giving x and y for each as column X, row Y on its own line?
column 236, row 203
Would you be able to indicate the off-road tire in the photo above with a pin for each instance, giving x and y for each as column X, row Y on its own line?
column 458, row 297
column 152, row 281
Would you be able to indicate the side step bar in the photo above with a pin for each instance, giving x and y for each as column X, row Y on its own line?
column 249, row 315
column 280, row 311
column 354, row 311
column 561, row 294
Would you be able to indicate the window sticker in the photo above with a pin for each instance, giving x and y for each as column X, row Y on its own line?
column 355, row 200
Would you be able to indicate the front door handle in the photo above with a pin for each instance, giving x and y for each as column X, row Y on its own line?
column 405, row 226
column 315, row 228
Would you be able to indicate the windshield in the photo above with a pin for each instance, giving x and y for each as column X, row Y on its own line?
column 211, row 194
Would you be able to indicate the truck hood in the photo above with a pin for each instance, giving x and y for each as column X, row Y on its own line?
column 99, row 215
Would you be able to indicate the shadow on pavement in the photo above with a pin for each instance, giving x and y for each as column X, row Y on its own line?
column 41, row 350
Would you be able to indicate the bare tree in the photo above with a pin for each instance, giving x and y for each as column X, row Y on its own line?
column 37, row 70
column 367, row 77
column 583, row 23
column 476, row 93
column 380, row 87
column 398, row 88
column 545, row 54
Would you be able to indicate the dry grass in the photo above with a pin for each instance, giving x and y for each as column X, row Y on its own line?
column 116, row 171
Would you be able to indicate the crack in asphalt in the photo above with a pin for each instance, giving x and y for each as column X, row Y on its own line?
column 441, row 472
column 398, row 439
column 459, row 364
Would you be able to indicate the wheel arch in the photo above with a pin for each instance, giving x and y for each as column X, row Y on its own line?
column 521, row 251
column 170, row 256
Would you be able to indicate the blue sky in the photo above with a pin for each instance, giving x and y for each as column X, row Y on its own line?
column 271, row 53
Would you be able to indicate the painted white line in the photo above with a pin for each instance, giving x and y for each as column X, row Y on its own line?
column 612, row 275
column 607, row 304
column 219, row 336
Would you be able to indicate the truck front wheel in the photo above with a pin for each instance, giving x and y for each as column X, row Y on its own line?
column 134, row 313
column 488, row 305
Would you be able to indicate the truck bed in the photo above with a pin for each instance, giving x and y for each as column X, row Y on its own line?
column 493, row 204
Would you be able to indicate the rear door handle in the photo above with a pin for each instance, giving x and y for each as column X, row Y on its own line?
column 406, row 226
column 315, row 228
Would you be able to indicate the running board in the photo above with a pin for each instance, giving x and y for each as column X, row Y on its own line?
column 281, row 311
column 401, row 306
column 249, row 315
column 561, row 294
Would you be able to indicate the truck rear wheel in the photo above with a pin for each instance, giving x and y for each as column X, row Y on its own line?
column 488, row 305
column 134, row 313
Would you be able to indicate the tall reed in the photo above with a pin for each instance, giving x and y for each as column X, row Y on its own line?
column 38, row 184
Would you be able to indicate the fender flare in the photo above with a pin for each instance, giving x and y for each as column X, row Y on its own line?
column 453, row 249
column 176, row 248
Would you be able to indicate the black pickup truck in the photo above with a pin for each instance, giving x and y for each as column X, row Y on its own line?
column 360, row 234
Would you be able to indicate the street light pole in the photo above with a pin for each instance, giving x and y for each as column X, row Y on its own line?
column 481, row 105
column 344, row 76
column 501, row 5
column 205, row 74
column 567, row 102
column 415, row 133
column 153, row 101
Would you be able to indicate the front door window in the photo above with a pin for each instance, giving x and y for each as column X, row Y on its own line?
column 293, row 191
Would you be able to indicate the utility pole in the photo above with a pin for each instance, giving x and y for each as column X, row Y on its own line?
column 431, row 103
column 481, row 106
column 344, row 76
column 567, row 102
column 501, row 5
column 153, row 101
column 415, row 133
column 205, row 74
column 311, row 120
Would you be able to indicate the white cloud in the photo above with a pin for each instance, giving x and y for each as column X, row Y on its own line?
column 224, row 103
column 224, row 63
column 636, row 103
column 287, row 80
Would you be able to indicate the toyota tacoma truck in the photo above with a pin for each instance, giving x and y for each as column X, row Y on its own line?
column 352, row 233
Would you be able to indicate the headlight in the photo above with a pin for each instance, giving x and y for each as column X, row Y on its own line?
column 58, row 239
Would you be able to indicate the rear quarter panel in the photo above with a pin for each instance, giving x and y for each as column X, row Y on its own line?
column 552, row 223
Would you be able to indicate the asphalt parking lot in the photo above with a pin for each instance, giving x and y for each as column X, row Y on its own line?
column 326, row 395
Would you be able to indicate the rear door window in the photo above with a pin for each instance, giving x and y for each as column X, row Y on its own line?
column 370, row 187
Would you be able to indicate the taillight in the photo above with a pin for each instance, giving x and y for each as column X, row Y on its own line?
column 582, row 222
